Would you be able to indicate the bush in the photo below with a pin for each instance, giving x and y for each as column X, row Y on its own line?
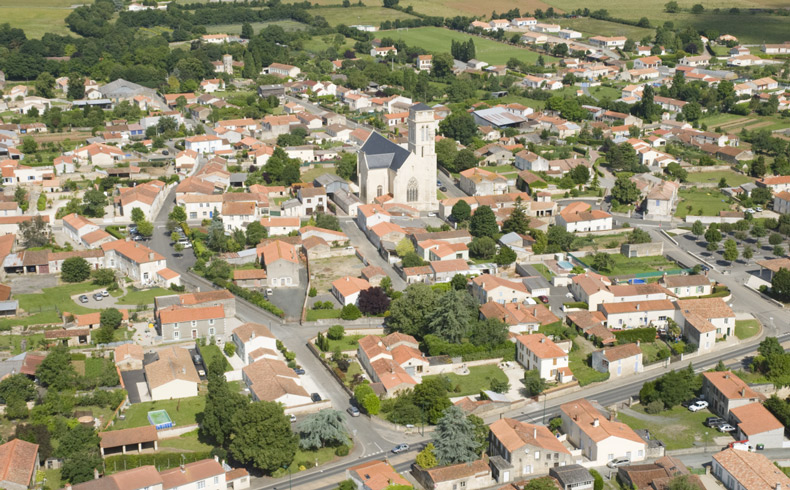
column 342, row 450
column 313, row 292
column 336, row 332
column 41, row 205
column 654, row 407
column 229, row 349
column 350, row 312
column 253, row 297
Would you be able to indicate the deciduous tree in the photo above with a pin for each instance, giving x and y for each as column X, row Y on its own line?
column 262, row 437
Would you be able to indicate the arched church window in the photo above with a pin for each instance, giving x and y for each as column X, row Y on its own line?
column 412, row 192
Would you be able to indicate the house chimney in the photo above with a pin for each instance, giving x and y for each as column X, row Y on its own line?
column 68, row 486
column 216, row 458
column 637, row 307
column 743, row 391
column 543, row 340
column 726, row 375
column 252, row 335
column 534, row 432
column 596, row 422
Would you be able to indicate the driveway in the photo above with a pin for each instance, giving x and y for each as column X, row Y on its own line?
column 134, row 382
column 369, row 252
column 291, row 300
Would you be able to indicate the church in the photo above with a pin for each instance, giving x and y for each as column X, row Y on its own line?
column 384, row 167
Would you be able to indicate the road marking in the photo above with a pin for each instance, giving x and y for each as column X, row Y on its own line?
column 377, row 445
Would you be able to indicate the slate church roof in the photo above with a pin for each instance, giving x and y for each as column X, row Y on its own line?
column 383, row 153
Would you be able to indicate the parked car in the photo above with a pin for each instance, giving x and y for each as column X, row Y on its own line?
column 400, row 448
column 315, row 397
column 98, row 296
column 268, row 292
column 714, row 422
column 292, row 417
column 353, row 411
column 725, row 428
column 543, row 298
column 698, row 405
column 197, row 359
column 104, row 293
column 443, row 189
column 618, row 462
column 299, row 371
column 83, row 299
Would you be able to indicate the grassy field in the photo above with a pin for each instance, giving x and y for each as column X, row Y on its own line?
column 677, row 428
column 543, row 270
column 479, row 378
column 746, row 328
column 733, row 178
column 731, row 123
column 184, row 442
column 311, row 174
column 451, row 8
column 304, row 459
column 288, row 25
column 14, row 342
column 748, row 27
column 212, row 354
column 594, row 27
column 601, row 92
column 54, row 299
column 37, row 17
column 635, row 265
column 373, row 15
column 182, row 412
column 439, row 40
column 145, row 296
column 703, row 202
column 319, row 44
column 650, row 350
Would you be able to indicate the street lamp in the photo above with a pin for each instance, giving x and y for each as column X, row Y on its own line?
column 288, row 467
column 706, row 441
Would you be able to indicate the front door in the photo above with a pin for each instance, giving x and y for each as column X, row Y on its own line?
column 194, row 334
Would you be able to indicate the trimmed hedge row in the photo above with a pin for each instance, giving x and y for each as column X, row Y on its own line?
column 253, row 297
column 646, row 334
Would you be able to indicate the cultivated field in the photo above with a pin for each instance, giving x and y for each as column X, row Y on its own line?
column 359, row 15
column 37, row 17
column 748, row 27
column 439, row 40
column 451, row 8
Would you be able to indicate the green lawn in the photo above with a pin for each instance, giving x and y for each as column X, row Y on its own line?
column 479, row 378
column 601, row 92
column 746, row 328
column 543, row 270
column 58, row 297
column 437, row 39
column 682, row 431
column 705, row 202
column 182, row 411
column 304, row 459
column 635, row 265
column 582, row 371
column 311, row 174
column 650, row 351
column 211, row 354
column 733, row 178
column 348, row 342
column 144, row 296
column 313, row 315
column 185, row 442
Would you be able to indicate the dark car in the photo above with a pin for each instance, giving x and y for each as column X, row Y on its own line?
column 714, row 422
column 443, row 189
column 315, row 397
column 299, row 371
column 197, row 359
column 165, row 152
column 543, row 298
